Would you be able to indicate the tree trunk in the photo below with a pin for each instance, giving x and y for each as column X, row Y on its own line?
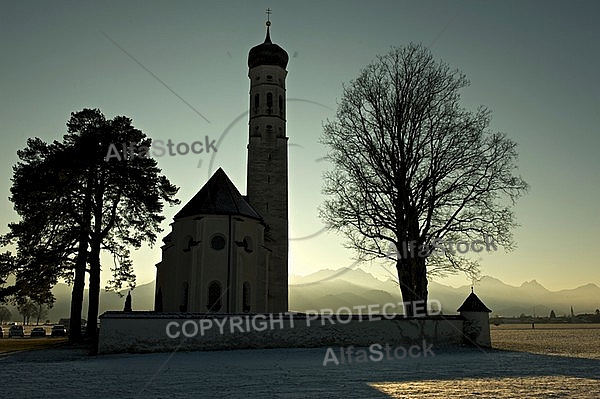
column 77, row 292
column 412, row 277
column 94, row 261
column 94, row 291
column 80, row 264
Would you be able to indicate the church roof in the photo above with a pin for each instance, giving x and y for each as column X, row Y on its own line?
column 473, row 304
column 267, row 53
column 218, row 196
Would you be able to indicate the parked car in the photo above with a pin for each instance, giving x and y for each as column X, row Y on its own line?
column 38, row 332
column 15, row 331
column 58, row 331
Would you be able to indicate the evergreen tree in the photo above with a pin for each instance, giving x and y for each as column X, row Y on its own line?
column 74, row 203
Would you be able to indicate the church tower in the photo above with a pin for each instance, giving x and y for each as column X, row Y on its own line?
column 267, row 171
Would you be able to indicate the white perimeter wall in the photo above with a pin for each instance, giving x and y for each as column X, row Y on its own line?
column 147, row 331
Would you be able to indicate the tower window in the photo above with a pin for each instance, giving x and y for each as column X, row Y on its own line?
column 256, row 100
column 214, row 297
column 269, row 77
column 269, row 100
column 281, row 104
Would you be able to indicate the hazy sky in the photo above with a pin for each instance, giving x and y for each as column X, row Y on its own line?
column 534, row 63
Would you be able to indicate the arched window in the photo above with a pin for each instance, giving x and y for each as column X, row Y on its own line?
column 256, row 100
column 269, row 100
column 214, row 297
column 281, row 105
column 248, row 243
column 188, row 243
column 184, row 297
column 246, row 297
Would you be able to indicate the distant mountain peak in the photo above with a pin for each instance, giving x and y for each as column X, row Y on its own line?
column 356, row 275
column 532, row 283
column 490, row 279
column 589, row 285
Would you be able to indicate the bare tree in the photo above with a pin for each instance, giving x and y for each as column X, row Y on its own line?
column 412, row 168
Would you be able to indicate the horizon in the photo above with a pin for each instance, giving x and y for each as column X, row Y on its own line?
column 346, row 290
column 465, row 286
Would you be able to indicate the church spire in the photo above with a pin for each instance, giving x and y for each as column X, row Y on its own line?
column 268, row 23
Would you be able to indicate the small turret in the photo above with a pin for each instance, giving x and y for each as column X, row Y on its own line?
column 476, row 327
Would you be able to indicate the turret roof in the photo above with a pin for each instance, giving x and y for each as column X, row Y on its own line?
column 473, row 304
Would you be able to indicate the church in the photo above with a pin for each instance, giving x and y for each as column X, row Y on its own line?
column 226, row 259
column 228, row 252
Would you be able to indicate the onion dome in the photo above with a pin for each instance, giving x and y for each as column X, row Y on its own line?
column 267, row 53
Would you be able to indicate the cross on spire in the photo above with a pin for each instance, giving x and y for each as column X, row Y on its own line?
column 268, row 12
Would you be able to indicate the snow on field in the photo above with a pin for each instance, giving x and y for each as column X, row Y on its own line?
column 572, row 340
column 297, row 373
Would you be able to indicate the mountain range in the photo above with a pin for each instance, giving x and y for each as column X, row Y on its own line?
column 357, row 287
column 334, row 289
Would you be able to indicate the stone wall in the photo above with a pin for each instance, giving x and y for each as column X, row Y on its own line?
column 139, row 332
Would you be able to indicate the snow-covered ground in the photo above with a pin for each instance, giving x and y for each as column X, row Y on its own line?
column 296, row 373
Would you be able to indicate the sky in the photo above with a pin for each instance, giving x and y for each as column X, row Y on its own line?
column 179, row 70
